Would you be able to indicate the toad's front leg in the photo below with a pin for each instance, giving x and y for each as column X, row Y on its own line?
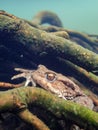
column 27, row 74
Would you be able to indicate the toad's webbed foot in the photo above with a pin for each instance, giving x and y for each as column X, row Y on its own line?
column 27, row 74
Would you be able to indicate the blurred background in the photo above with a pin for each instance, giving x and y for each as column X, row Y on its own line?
column 79, row 15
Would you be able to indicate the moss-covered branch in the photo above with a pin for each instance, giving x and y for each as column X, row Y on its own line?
column 80, row 71
column 71, row 33
column 18, row 31
column 19, row 99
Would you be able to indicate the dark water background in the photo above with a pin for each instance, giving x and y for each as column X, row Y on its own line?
column 80, row 15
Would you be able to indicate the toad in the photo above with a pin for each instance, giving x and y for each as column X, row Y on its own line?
column 56, row 83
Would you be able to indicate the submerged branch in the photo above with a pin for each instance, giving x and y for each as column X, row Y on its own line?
column 38, row 41
column 72, row 33
column 80, row 71
column 18, row 99
column 33, row 120
column 47, row 17
column 9, row 85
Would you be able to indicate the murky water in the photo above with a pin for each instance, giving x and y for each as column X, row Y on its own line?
column 75, row 14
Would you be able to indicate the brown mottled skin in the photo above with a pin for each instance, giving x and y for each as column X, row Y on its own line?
column 55, row 83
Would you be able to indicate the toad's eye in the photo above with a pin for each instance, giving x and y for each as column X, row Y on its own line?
column 50, row 76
